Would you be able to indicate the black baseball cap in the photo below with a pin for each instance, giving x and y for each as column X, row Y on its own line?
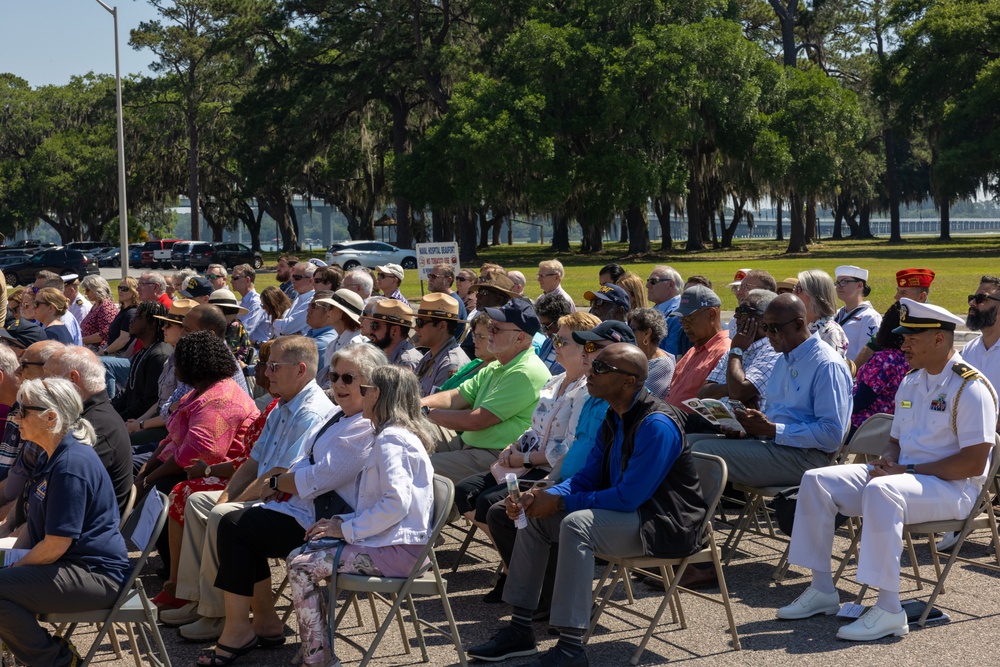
column 518, row 312
column 612, row 331
column 24, row 334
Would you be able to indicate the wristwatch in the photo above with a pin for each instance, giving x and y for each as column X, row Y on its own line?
column 561, row 503
column 736, row 352
column 208, row 471
column 911, row 469
column 141, row 422
column 272, row 482
column 527, row 461
column 425, row 410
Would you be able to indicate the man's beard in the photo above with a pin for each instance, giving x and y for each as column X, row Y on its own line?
column 977, row 320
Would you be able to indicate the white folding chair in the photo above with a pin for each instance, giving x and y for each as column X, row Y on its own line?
column 712, row 473
column 132, row 607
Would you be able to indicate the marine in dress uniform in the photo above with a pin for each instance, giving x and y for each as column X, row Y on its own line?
column 932, row 469
column 444, row 356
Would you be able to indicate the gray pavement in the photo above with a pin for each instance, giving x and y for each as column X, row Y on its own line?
column 972, row 600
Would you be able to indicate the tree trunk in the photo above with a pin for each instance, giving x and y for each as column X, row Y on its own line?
column 593, row 237
column 892, row 185
column 560, row 232
column 839, row 204
column 400, row 143
column 694, row 213
column 786, row 17
column 945, row 205
column 779, row 232
column 466, row 235
column 484, row 228
column 729, row 231
column 715, row 233
column 662, row 206
column 623, row 238
column 194, row 186
column 495, row 223
column 811, row 230
column 796, row 224
column 865, row 222
column 637, row 227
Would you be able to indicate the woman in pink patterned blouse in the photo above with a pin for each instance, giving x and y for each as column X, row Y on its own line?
column 878, row 379
column 95, row 325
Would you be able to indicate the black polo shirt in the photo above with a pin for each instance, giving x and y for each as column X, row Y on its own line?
column 113, row 445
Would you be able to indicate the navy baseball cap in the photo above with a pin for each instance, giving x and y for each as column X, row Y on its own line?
column 612, row 331
column 610, row 292
column 695, row 298
column 518, row 312
column 197, row 286
column 24, row 334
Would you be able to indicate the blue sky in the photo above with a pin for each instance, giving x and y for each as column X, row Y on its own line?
column 48, row 41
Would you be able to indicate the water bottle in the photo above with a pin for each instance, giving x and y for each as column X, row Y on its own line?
column 515, row 494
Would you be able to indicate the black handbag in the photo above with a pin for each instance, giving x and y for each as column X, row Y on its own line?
column 330, row 503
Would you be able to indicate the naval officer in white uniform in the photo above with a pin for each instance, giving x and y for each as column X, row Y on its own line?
column 932, row 469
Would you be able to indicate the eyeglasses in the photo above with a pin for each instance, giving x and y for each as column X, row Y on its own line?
column 20, row 414
column 313, row 306
column 124, row 288
column 592, row 346
column 235, row 278
column 24, row 364
column 272, row 366
column 365, row 388
column 981, row 298
column 743, row 311
column 603, row 368
column 383, row 276
column 844, row 282
column 479, row 337
column 147, row 284
column 348, row 378
column 463, row 279
column 558, row 342
column 436, row 275
column 546, row 275
column 653, row 281
column 374, row 325
column 494, row 329
column 418, row 323
column 773, row 327
column 297, row 276
column 798, row 289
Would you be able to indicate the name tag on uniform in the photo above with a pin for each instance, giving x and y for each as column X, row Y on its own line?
column 905, row 404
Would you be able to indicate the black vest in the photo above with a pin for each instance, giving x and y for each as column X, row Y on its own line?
column 671, row 518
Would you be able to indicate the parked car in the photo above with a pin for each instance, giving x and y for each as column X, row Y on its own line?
column 370, row 254
column 93, row 247
column 58, row 260
column 157, row 253
column 135, row 254
column 12, row 258
column 234, row 254
column 33, row 245
column 112, row 257
column 182, row 255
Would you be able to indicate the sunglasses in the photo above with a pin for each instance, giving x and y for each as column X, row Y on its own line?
column 546, row 275
column 20, row 414
column 24, row 364
column 348, row 378
column 313, row 306
column 558, row 342
column 494, row 329
column 383, row 276
column 365, row 388
column 773, row 327
column 603, row 368
column 654, row 281
column 743, row 311
column 592, row 346
column 436, row 275
column 980, row 299
column 844, row 282
column 297, row 276
column 418, row 322
column 272, row 366
column 463, row 279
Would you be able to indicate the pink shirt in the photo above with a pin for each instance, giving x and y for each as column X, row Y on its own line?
column 210, row 427
column 694, row 367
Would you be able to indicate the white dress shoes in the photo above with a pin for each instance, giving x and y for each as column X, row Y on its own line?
column 875, row 624
column 810, row 603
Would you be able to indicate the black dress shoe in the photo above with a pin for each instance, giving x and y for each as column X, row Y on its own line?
column 508, row 642
column 554, row 657
column 495, row 596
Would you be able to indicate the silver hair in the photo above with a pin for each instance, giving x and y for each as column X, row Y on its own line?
column 517, row 278
column 61, row 397
column 217, row 268
column 183, row 275
column 554, row 265
column 156, row 277
column 820, row 288
column 308, row 268
column 8, row 361
column 671, row 273
column 759, row 299
column 365, row 356
column 84, row 362
column 398, row 403
column 98, row 286
column 299, row 349
column 364, row 278
column 648, row 319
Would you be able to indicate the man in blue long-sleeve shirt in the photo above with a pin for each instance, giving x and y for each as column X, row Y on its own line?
column 612, row 505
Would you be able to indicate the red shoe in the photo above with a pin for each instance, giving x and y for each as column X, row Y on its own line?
column 165, row 599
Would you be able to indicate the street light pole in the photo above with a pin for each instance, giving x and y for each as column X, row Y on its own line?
column 122, row 202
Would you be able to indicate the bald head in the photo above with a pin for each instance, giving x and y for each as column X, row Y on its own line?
column 628, row 358
column 787, row 306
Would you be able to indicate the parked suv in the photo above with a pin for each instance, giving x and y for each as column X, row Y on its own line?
column 370, row 254
column 157, row 253
column 93, row 247
column 183, row 254
column 234, row 254
column 57, row 260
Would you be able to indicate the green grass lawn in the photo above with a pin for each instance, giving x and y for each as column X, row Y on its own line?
column 958, row 263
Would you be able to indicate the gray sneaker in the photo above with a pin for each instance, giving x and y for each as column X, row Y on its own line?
column 203, row 630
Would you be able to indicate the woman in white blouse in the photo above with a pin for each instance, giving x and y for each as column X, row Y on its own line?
column 392, row 520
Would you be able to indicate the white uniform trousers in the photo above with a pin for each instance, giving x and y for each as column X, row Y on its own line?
column 885, row 503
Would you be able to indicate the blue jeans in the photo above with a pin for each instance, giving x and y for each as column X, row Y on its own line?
column 115, row 373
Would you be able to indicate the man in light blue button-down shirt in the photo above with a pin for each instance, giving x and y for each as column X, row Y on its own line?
column 808, row 406
column 301, row 411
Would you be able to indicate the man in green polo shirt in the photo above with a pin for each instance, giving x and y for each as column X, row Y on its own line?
column 493, row 408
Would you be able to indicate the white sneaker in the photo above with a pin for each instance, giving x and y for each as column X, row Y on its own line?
column 875, row 624
column 203, row 630
column 810, row 603
column 947, row 541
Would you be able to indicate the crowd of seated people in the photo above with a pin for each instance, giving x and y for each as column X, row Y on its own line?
column 324, row 406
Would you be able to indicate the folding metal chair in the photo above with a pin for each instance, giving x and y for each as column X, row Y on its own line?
column 132, row 607
column 712, row 472
column 419, row 582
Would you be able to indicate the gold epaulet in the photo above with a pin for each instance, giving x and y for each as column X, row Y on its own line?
column 966, row 371
column 912, row 370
